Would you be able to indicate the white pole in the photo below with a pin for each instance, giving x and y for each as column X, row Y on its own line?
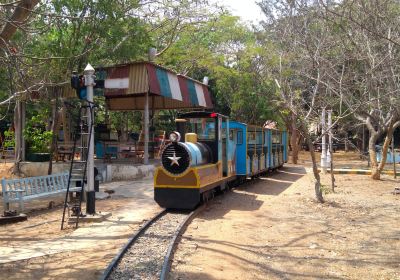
column 323, row 148
column 146, row 129
column 89, row 83
column 328, row 158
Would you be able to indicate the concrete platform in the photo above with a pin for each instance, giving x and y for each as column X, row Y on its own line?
column 109, row 172
column 13, row 219
column 96, row 218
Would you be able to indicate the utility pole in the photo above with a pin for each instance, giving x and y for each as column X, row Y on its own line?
column 323, row 148
column 90, row 193
column 331, row 149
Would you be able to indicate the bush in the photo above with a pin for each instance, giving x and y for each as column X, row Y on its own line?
column 10, row 143
column 37, row 138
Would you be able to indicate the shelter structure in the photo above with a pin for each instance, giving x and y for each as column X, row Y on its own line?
column 147, row 86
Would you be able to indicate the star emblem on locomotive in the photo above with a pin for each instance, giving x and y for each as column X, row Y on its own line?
column 174, row 159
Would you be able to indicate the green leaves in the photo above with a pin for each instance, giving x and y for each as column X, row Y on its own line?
column 37, row 137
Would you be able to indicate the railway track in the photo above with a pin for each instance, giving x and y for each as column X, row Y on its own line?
column 148, row 254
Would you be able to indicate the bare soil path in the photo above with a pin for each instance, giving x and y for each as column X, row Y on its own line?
column 274, row 229
column 38, row 249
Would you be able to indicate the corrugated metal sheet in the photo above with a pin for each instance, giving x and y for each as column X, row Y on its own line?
column 154, row 86
column 168, row 90
column 138, row 79
column 162, row 78
column 121, row 104
column 118, row 72
column 137, row 103
column 68, row 92
column 184, row 90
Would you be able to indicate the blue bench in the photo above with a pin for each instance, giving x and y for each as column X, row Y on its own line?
column 20, row 190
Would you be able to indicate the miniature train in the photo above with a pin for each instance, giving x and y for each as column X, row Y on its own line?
column 216, row 153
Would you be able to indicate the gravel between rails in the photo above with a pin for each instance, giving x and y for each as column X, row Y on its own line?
column 144, row 259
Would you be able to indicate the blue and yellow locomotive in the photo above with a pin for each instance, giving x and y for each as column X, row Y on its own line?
column 208, row 152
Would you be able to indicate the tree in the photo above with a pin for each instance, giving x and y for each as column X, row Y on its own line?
column 369, row 48
column 300, row 45
column 225, row 50
column 62, row 36
column 20, row 12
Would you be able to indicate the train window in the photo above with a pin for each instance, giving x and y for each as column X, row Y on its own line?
column 224, row 133
column 203, row 127
column 239, row 137
column 276, row 138
column 251, row 137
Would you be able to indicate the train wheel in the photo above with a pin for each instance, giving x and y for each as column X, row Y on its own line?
column 206, row 196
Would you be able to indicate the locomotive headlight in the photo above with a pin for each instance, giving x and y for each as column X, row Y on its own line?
column 175, row 136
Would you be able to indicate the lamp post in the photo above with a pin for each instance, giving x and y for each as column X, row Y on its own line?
column 90, row 192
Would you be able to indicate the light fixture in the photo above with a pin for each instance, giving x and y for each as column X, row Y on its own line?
column 175, row 136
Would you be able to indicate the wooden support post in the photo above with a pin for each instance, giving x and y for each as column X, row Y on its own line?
column 146, row 129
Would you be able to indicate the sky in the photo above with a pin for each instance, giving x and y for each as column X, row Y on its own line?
column 246, row 9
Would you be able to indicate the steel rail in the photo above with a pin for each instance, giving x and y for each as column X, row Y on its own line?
column 132, row 240
column 175, row 241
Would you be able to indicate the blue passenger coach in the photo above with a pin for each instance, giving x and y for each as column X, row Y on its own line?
column 256, row 150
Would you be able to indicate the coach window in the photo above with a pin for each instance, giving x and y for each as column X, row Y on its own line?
column 251, row 137
column 276, row 139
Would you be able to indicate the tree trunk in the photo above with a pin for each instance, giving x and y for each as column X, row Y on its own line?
column 363, row 140
column 19, row 121
column 54, row 129
column 17, row 128
column 21, row 13
column 294, row 135
column 375, row 173
column 385, row 148
column 317, row 186
column 332, row 174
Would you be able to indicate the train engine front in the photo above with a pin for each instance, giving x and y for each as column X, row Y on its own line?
column 191, row 167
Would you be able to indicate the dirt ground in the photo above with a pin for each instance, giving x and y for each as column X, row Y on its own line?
column 44, row 225
column 271, row 229
column 342, row 159
column 88, row 250
column 274, row 229
column 5, row 170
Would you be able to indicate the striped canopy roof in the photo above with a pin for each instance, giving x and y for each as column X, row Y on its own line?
column 125, row 87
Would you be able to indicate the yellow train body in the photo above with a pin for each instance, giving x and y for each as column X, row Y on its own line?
column 184, row 190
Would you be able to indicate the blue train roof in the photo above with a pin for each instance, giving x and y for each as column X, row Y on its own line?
column 235, row 124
